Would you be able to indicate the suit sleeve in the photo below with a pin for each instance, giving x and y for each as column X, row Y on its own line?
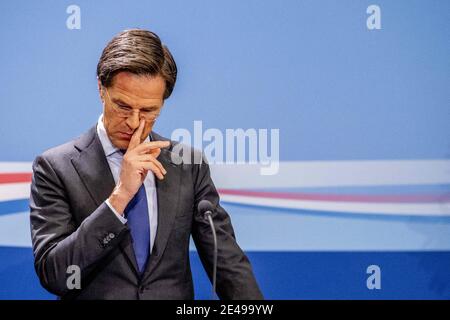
column 57, row 241
column 235, row 278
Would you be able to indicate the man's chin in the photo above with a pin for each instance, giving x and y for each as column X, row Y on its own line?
column 121, row 143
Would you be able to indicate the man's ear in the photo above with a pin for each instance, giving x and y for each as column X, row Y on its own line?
column 100, row 91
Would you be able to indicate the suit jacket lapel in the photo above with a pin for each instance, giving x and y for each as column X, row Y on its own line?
column 94, row 171
column 93, row 168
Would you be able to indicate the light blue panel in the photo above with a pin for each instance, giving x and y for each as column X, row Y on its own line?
column 310, row 68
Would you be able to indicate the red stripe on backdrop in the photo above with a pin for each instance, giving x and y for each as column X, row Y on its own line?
column 15, row 177
column 19, row 177
column 412, row 198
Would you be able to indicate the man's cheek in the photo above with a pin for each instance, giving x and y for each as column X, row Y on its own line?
column 119, row 125
column 146, row 132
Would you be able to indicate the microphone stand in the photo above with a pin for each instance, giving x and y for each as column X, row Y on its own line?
column 208, row 215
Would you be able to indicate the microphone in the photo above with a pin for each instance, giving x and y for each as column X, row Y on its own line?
column 206, row 208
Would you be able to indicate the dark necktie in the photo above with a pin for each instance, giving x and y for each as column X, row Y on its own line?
column 136, row 213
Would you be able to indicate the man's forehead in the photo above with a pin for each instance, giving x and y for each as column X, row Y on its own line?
column 138, row 89
column 130, row 97
column 137, row 86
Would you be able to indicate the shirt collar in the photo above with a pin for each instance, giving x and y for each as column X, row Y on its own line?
column 107, row 145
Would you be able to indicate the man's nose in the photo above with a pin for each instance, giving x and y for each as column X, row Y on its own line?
column 133, row 120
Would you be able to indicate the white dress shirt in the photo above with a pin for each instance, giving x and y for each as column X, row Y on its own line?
column 115, row 157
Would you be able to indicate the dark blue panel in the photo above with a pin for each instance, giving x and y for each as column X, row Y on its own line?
column 342, row 275
column 17, row 276
column 287, row 275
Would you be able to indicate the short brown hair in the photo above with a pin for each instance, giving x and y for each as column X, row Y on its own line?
column 140, row 52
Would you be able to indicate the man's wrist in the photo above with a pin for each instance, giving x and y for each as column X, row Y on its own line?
column 119, row 200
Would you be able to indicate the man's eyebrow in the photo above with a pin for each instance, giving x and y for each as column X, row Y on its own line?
column 119, row 101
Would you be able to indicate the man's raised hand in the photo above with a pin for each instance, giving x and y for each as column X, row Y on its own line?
column 137, row 161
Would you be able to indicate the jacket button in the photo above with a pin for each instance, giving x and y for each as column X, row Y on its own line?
column 111, row 235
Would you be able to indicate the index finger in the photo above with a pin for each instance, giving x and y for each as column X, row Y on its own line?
column 148, row 146
column 136, row 137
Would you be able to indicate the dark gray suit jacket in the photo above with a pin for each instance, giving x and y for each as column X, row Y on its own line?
column 72, row 225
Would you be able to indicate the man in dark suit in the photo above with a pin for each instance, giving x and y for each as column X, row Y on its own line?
column 119, row 205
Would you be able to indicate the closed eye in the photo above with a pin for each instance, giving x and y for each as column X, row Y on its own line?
column 149, row 110
column 125, row 108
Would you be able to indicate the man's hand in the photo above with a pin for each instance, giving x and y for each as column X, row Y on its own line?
column 137, row 161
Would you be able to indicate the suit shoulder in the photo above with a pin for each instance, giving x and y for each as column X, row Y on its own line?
column 60, row 150
column 67, row 150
